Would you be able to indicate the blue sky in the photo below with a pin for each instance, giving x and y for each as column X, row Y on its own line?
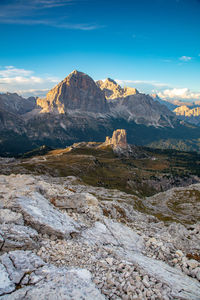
column 153, row 45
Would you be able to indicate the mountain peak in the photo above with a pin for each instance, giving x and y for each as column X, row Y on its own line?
column 76, row 72
column 113, row 90
column 77, row 91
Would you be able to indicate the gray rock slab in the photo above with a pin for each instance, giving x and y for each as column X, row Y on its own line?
column 19, row 263
column 6, row 285
column 126, row 237
column 40, row 214
column 18, row 237
column 113, row 234
column 128, row 245
column 41, row 281
column 8, row 216
column 59, row 284
column 182, row 285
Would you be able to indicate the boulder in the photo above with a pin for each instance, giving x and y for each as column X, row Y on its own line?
column 77, row 200
column 40, row 214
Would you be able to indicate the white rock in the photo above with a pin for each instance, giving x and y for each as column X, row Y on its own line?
column 6, row 285
column 47, row 282
column 109, row 261
column 41, row 215
column 192, row 263
column 179, row 253
column 8, row 216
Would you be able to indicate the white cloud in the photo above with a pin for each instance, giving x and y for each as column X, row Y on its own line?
column 24, row 82
column 33, row 92
column 163, row 90
column 185, row 58
column 52, row 23
column 11, row 71
column 183, row 93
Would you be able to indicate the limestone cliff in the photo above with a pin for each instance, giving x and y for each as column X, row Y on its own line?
column 186, row 111
column 191, row 115
column 118, row 139
column 77, row 91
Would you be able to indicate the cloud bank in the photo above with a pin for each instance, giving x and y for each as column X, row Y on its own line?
column 24, row 82
column 183, row 94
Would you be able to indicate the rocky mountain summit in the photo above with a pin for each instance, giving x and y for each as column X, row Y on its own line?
column 77, row 91
column 113, row 90
column 62, row 239
column 129, row 104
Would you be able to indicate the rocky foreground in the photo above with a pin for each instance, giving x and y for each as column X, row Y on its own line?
column 61, row 239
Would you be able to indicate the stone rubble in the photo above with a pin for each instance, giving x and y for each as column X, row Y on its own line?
column 94, row 247
column 28, row 277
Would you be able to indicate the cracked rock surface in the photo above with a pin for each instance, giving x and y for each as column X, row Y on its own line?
column 63, row 240
column 28, row 277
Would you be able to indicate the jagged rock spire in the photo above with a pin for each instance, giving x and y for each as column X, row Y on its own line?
column 118, row 139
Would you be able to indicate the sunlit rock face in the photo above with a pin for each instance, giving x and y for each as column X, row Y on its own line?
column 186, row 111
column 181, row 110
column 77, row 91
column 191, row 115
column 118, row 139
column 113, row 90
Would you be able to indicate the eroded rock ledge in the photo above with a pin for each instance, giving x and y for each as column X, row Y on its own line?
column 60, row 239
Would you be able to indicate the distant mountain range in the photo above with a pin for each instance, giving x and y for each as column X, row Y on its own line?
column 187, row 111
column 80, row 109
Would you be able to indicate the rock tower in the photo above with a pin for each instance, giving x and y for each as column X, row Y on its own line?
column 118, row 139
